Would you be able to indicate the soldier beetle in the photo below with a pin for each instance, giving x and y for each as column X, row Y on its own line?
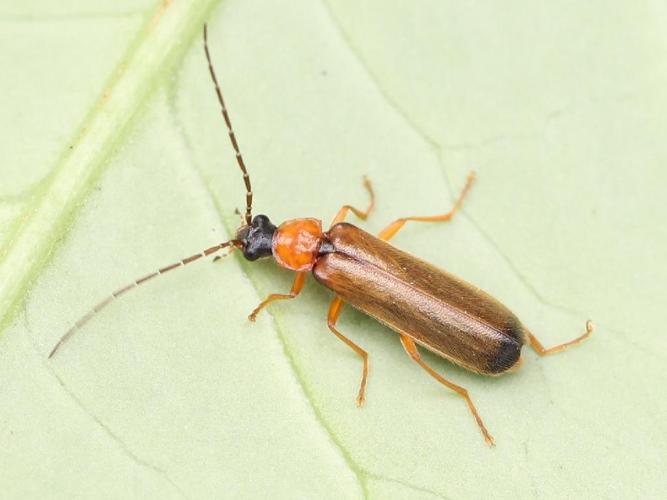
column 423, row 304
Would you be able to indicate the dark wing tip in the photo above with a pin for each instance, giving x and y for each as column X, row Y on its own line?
column 508, row 351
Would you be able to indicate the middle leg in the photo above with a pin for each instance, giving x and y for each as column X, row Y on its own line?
column 388, row 232
column 332, row 318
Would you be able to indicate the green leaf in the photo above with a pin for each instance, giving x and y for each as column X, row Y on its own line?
column 117, row 163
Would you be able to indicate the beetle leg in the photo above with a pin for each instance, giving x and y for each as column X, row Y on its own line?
column 332, row 318
column 388, row 232
column 297, row 286
column 411, row 349
column 363, row 215
column 542, row 351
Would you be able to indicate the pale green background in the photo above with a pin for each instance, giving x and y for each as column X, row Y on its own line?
column 561, row 109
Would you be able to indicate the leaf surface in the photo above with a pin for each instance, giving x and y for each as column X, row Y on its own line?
column 117, row 163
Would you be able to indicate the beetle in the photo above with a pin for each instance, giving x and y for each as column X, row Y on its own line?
column 425, row 305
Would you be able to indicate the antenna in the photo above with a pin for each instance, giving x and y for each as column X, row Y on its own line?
column 232, row 137
column 121, row 291
column 233, row 243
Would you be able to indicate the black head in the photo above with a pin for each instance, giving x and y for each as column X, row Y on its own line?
column 257, row 238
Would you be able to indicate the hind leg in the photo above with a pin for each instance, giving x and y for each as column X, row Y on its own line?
column 411, row 349
column 542, row 351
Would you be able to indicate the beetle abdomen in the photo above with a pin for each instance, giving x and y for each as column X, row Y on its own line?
column 439, row 311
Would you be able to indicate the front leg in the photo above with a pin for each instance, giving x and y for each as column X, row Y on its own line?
column 362, row 214
column 297, row 286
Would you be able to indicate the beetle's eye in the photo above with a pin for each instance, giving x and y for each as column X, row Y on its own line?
column 251, row 254
column 242, row 233
column 260, row 221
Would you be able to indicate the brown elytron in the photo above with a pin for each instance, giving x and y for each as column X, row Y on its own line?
column 435, row 309
column 422, row 303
